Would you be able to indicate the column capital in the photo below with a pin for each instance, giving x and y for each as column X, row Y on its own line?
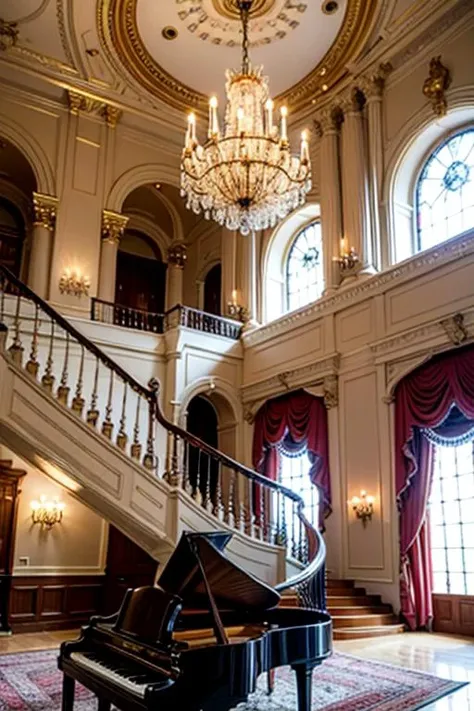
column 93, row 105
column 352, row 101
column 113, row 226
column 373, row 84
column 328, row 120
column 45, row 208
column 177, row 255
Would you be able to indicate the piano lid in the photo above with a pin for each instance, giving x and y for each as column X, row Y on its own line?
column 232, row 587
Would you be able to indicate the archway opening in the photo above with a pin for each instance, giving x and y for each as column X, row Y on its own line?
column 12, row 236
column 212, row 290
column 203, row 471
column 141, row 274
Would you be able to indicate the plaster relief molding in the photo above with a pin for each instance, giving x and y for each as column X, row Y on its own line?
column 8, row 35
column 436, row 85
column 318, row 373
column 45, row 209
column 452, row 250
column 93, row 105
column 331, row 391
column 177, row 255
column 455, row 329
column 373, row 83
column 113, row 226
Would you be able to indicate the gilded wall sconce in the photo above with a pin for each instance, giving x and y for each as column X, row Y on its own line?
column 363, row 506
column 74, row 283
column 235, row 310
column 47, row 512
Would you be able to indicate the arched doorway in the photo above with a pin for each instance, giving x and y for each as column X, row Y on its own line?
column 212, row 290
column 141, row 274
column 12, row 236
column 202, row 470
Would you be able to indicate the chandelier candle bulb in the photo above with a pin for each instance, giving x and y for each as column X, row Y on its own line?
column 192, row 129
column 304, row 147
column 269, row 110
column 283, row 126
column 234, row 297
column 213, row 123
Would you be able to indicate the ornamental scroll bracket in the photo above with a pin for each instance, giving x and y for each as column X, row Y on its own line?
column 436, row 85
column 455, row 329
column 8, row 35
column 331, row 391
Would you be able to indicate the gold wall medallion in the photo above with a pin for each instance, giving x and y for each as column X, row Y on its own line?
column 120, row 37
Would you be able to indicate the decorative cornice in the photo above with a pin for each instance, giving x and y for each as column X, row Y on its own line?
column 8, row 35
column 113, row 226
column 177, row 255
column 320, row 372
column 117, row 26
column 451, row 250
column 45, row 208
column 93, row 105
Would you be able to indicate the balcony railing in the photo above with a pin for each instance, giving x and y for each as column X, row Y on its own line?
column 179, row 315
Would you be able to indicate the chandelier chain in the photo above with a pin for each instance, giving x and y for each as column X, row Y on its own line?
column 244, row 7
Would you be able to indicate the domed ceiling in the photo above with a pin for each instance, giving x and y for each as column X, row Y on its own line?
column 179, row 49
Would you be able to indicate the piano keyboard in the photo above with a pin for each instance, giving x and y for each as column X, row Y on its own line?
column 130, row 678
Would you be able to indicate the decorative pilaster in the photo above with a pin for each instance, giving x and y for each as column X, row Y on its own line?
column 373, row 87
column 113, row 227
column 355, row 184
column 177, row 256
column 45, row 209
column 327, row 125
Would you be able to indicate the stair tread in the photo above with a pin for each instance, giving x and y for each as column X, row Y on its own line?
column 375, row 628
column 370, row 615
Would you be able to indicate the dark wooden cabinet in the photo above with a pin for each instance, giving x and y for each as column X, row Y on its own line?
column 10, row 489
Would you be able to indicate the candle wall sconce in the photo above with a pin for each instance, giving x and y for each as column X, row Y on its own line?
column 74, row 283
column 363, row 506
column 47, row 512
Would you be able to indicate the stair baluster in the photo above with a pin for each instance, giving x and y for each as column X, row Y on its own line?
column 77, row 405
column 47, row 381
column 63, row 389
column 32, row 365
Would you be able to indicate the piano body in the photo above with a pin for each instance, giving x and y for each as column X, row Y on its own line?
column 197, row 641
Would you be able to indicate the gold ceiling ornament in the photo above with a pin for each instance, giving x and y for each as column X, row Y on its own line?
column 244, row 177
column 119, row 35
column 436, row 85
column 8, row 35
column 230, row 10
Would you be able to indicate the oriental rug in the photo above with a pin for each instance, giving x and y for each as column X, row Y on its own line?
column 31, row 681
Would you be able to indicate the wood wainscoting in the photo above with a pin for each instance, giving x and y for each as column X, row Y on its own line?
column 54, row 602
column 453, row 614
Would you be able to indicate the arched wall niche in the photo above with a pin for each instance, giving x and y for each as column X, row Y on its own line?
column 274, row 259
column 223, row 398
column 32, row 151
column 405, row 159
column 137, row 176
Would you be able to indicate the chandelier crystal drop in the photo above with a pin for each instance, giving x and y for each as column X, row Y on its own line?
column 245, row 176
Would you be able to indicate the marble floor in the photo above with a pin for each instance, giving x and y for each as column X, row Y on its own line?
column 443, row 655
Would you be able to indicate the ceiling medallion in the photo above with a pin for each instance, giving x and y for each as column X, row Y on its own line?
column 117, row 26
column 217, row 21
column 244, row 177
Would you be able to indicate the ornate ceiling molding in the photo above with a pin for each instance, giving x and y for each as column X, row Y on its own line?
column 118, row 31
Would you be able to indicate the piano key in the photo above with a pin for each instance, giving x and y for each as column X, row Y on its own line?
column 106, row 671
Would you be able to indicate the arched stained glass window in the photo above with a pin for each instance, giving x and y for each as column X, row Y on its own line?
column 445, row 191
column 304, row 268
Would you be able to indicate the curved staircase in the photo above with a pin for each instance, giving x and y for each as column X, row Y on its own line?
column 354, row 613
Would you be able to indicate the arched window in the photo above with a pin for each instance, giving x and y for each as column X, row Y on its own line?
column 445, row 191
column 304, row 268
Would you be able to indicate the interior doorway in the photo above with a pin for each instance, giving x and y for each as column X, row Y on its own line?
column 212, row 290
column 141, row 274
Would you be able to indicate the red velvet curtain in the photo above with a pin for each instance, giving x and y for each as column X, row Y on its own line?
column 423, row 400
column 304, row 418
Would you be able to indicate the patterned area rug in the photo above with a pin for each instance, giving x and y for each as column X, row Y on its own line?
column 31, row 682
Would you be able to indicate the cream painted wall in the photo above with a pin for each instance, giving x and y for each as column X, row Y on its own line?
column 76, row 546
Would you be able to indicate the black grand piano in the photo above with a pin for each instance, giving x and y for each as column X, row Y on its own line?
column 197, row 641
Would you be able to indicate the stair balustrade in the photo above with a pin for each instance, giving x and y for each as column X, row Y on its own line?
column 82, row 378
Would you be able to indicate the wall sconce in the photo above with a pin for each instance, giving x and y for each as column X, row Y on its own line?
column 363, row 506
column 47, row 512
column 235, row 310
column 74, row 283
column 349, row 262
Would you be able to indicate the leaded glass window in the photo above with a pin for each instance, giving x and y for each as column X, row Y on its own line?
column 445, row 191
column 452, row 519
column 304, row 268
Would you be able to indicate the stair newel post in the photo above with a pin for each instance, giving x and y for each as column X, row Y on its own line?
column 92, row 416
column 47, row 381
column 32, row 365
column 149, row 460
column 136, row 448
column 173, row 476
column 78, row 401
column 107, row 424
column 63, row 389
column 16, row 349
column 122, row 438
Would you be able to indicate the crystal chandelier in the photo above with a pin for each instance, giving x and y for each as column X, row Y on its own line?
column 245, row 177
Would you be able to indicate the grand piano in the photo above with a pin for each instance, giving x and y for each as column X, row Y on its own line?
column 197, row 641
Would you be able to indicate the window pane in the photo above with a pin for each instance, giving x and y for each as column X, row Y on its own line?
column 452, row 519
column 445, row 191
column 304, row 268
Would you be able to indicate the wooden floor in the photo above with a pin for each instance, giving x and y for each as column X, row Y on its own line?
column 442, row 655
